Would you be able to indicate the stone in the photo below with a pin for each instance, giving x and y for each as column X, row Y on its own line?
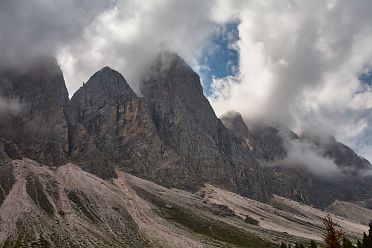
column 38, row 127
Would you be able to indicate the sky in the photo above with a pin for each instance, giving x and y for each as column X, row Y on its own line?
column 301, row 64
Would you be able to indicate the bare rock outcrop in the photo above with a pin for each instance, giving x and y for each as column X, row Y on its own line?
column 112, row 127
column 37, row 124
column 292, row 179
column 187, row 123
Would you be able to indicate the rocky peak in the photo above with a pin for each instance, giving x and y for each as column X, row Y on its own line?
column 106, row 86
column 187, row 123
column 172, row 87
column 39, row 128
column 234, row 121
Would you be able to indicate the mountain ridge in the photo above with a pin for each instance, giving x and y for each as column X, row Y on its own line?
column 170, row 135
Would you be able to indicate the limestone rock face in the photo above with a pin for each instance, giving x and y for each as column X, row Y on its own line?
column 111, row 127
column 170, row 136
column 293, row 180
column 37, row 123
column 187, row 123
column 94, row 121
column 234, row 122
column 4, row 158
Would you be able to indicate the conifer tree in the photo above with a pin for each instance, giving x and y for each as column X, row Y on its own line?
column 365, row 240
column 359, row 244
column 369, row 238
column 282, row 245
column 332, row 237
column 346, row 243
column 312, row 244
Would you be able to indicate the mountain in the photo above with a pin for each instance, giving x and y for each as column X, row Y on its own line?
column 67, row 207
column 187, row 123
column 39, row 129
column 110, row 168
column 270, row 146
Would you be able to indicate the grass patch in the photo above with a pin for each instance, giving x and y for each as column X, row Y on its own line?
column 84, row 208
column 7, row 181
column 199, row 224
column 35, row 190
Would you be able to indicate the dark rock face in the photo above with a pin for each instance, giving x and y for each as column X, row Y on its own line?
column 7, row 181
column 268, row 144
column 171, row 136
column 234, row 122
column 187, row 123
column 4, row 158
column 39, row 127
column 96, row 109
column 112, row 127
column 344, row 156
column 293, row 181
column 304, row 187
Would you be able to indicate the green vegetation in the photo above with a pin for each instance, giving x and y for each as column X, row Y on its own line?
column 82, row 206
column 367, row 239
column 199, row 224
column 7, row 181
column 334, row 238
column 35, row 190
column 25, row 238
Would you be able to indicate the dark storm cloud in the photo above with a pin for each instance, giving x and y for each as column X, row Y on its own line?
column 38, row 27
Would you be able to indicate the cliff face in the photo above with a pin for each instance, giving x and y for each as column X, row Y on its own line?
column 170, row 136
column 293, row 180
column 187, row 123
column 37, row 123
column 112, row 127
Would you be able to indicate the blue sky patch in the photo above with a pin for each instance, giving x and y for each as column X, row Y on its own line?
column 366, row 77
column 221, row 57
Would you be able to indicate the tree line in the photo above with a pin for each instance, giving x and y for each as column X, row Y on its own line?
column 335, row 238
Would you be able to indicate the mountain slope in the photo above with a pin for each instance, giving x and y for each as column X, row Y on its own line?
column 187, row 123
column 292, row 179
column 68, row 207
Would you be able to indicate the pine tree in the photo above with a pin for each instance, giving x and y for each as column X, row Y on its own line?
column 312, row 244
column 365, row 240
column 359, row 244
column 369, row 237
column 332, row 237
column 346, row 243
column 282, row 245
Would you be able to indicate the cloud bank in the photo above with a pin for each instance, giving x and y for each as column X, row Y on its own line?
column 299, row 67
column 299, row 61
column 307, row 155
column 9, row 106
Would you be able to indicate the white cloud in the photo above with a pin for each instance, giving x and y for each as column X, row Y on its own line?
column 308, row 156
column 129, row 36
column 299, row 62
column 8, row 105
column 298, row 59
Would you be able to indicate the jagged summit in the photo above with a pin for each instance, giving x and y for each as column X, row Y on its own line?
column 170, row 136
column 171, row 85
column 234, row 121
column 105, row 84
column 186, row 122
column 167, row 60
